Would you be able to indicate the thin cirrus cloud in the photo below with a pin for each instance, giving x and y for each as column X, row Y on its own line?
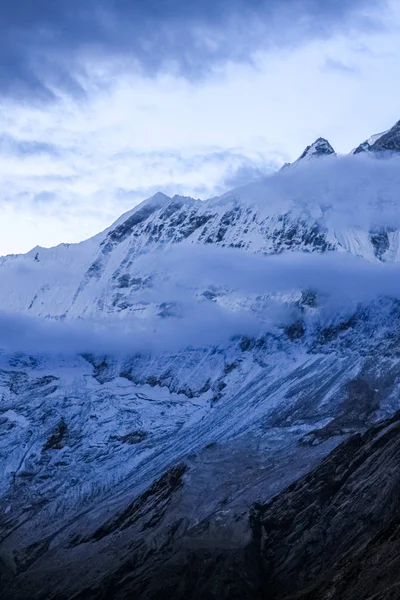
column 49, row 47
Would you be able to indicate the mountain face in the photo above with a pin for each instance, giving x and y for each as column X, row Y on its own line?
column 332, row 534
column 106, row 274
column 164, row 385
column 320, row 148
column 351, row 528
column 386, row 142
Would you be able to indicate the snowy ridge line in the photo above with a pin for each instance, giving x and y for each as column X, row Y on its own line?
column 333, row 205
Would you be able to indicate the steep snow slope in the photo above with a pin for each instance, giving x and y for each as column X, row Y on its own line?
column 321, row 147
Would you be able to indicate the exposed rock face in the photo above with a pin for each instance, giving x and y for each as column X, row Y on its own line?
column 333, row 534
column 336, row 532
column 387, row 142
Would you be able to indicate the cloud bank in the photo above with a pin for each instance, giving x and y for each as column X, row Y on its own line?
column 259, row 295
column 48, row 48
column 342, row 192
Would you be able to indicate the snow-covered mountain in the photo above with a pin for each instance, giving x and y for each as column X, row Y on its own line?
column 386, row 142
column 333, row 206
column 320, row 148
column 194, row 358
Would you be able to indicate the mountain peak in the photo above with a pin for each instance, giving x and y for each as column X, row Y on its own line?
column 321, row 147
column 158, row 199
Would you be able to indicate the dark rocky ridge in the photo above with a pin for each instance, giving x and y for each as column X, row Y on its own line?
column 333, row 534
column 389, row 142
column 336, row 532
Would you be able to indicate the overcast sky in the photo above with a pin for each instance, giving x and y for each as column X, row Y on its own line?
column 104, row 102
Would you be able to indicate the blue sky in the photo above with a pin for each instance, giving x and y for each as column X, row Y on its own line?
column 102, row 103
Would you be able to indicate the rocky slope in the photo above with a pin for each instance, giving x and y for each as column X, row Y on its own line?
column 335, row 533
column 387, row 142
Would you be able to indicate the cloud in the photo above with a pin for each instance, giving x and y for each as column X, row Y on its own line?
column 19, row 333
column 341, row 277
column 246, row 173
column 25, row 148
column 340, row 67
column 49, row 48
column 343, row 192
column 342, row 283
